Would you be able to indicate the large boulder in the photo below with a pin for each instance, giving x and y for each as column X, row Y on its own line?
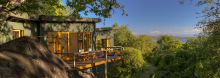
column 26, row 58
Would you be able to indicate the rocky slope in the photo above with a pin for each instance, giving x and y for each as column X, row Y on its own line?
column 26, row 58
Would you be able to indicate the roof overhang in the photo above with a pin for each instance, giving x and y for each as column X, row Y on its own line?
column 68, row 19
column 104, row 29
column 22, row 20
column 53, row 19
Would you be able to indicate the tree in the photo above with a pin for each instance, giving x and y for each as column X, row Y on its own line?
column 212, row 29
column 102, row 8
column 34, row 7
column 210, row 8
column 132, row 64
column 169, row 43
column 163, row 57
column 30, row 7
column 196, row 58
column 123, row 36
column 144, row 43
column 209, row 53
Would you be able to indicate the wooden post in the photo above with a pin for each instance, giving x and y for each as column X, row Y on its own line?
column 94, row 37
column 106, row 64
column 68, row 42
column 74, row 59
column 38, row 31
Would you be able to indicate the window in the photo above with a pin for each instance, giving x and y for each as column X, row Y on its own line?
column 84, row 40
column 58, row 42
column 106, row 42
column 66, row 42
column 98, row 43
column 17, row 33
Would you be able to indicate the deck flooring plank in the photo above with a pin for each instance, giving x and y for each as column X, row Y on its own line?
column 99, row 61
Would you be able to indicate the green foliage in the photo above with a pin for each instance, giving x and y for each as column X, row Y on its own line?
column 101, row 8
column 36, row 7
column 210, row 9
column 31, row 7
column 123, row 37
column 133, row 59
column 199, row 57
column 212, row 29
column 144, row 43
column 195, row 59
column 169, row 44
column 163, row 57
column 193, row 43
column 132, row 63
column 201, row 62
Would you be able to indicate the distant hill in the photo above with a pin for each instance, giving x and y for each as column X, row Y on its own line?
column 183, row 39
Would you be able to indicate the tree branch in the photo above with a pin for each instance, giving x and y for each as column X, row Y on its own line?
column 13, row 9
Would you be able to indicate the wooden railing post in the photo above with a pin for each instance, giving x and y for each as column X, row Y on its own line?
column 74, row 59
column 106, row 64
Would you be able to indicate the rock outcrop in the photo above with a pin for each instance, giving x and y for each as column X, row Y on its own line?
column 26, row 58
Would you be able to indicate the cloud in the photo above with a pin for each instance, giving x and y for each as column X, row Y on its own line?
column 178, row 33
column 155, row 32
column 193, row 31
column 197, row 30
column 135, row 33
column 183, row 33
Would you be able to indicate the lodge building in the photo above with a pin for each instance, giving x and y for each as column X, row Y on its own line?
column 72, row 39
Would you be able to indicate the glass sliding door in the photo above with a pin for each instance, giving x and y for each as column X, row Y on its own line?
column 69, row 42
column 17, row 33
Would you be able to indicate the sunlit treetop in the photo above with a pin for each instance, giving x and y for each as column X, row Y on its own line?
column 211, row 8
column 34, row 7
column 102, row 8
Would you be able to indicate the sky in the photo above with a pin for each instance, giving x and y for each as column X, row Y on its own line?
column 156, row 17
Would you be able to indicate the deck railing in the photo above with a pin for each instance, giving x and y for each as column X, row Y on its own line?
column 91, row 58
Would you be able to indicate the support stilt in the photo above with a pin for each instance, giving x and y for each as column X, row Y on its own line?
column 106, row 64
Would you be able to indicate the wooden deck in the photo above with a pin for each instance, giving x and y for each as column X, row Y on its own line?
column 97, row 62
column 85, row 60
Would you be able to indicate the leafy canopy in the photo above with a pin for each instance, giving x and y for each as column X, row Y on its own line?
column 34, row 7
column 123, row 36
column 101, row 8
column 133, row 62
column 169, row 43
column 144, row 43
